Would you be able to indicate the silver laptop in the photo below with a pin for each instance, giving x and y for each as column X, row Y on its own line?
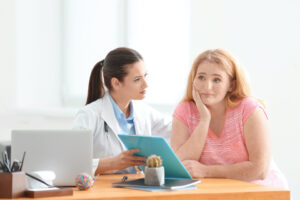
column 66, row 152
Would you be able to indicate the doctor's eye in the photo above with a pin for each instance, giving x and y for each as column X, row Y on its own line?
column 137, row 79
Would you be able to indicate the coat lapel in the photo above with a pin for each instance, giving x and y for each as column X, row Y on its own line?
column 139, row 120
column 108, row 115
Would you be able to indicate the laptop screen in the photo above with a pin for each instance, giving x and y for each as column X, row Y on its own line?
column 65, row 152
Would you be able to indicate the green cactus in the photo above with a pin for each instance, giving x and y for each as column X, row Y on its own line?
column 154, row 161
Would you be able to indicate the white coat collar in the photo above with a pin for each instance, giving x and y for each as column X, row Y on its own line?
column 139, row 119
column 108, row 114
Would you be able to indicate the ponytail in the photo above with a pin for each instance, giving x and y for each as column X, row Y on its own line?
column 96, row 88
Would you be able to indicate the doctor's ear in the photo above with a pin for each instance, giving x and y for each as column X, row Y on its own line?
column 115, row 83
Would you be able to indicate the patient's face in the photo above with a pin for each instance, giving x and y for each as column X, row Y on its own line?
column 212, row 82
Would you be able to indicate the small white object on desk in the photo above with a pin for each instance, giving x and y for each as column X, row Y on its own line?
column 46, row 176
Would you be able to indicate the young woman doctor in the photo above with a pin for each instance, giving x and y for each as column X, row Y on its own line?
column 113, row 112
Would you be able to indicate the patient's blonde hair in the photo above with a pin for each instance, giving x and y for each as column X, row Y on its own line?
column 225, row 60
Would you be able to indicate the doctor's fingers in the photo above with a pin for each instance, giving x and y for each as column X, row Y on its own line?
column 131, row 151
column 136, row 163
column 133, row 158
column 139, row 158
column 127, row 158
column 129, row 163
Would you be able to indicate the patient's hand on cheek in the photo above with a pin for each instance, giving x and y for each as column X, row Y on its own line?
column 203, row 110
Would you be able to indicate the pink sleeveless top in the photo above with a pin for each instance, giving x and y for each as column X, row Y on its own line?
column 229, row 147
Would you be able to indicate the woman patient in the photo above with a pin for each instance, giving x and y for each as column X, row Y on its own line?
column 219, row 130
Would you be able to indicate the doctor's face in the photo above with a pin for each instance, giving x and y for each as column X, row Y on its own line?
column 134, row 84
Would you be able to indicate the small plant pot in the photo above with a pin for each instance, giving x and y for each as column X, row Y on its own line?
column 154, row 176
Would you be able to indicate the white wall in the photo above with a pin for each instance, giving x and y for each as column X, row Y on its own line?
column 7, row 54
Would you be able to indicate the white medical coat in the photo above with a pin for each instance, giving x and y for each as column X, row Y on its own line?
column 147, row 122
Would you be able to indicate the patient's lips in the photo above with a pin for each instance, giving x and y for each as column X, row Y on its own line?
column 206, row 94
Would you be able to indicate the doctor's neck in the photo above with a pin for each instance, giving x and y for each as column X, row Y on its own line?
column 122, row 102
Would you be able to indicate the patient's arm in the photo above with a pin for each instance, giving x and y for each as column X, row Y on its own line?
column 256, row 131
column 188, row 146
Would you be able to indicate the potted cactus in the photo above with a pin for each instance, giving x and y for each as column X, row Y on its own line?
column 154, row 171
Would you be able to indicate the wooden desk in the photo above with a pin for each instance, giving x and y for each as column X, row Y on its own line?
column 211, row 189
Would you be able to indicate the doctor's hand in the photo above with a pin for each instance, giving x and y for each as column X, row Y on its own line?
column 127, row 159
column 203, row 110
column 121, row 161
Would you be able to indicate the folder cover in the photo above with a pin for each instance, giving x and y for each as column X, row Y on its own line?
column 149, row 145
column 170, row 184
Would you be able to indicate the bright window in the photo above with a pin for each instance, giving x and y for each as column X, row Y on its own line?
column 92, row 29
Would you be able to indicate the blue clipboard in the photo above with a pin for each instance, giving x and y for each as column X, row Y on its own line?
column 149, row 145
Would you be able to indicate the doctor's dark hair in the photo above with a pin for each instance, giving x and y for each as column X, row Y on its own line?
column 115, row 65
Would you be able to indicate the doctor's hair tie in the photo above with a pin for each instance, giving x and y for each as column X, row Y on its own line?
column 101, row 63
